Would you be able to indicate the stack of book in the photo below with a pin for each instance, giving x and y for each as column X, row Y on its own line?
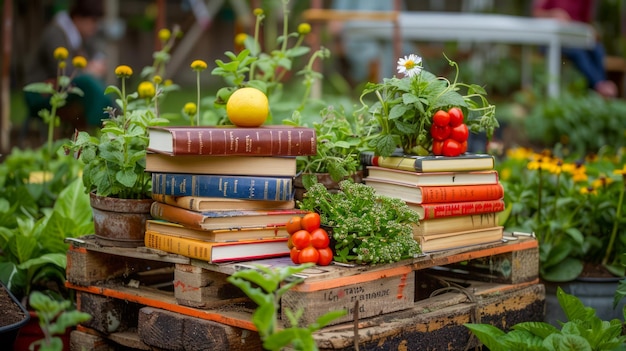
column 457, row 198
column 224, row 193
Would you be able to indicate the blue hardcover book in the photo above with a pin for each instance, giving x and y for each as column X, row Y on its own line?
column 223, row 186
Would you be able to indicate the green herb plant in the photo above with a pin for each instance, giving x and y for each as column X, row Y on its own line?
column 583, row 330
column 265, row 286
column 267, row 68
column 115, row 159
column 54, row 318
column 340, row 140
column 403, row 108
column 366, row 228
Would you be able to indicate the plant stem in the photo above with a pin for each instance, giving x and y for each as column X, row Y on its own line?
column 618, row 214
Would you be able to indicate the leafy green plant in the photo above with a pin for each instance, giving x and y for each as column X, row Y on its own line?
column 340, row 140
column 115, row 158
column 583, row 124
column 54, row 318
column 583, row 330
column 366, row 227
column 34, row 253
column 265, row 286
column 404, row 107
column 574, row 207
column 267, row 68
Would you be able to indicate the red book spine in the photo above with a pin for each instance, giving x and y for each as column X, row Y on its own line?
column 442, row 194
column 461, row 208
column 245, row 141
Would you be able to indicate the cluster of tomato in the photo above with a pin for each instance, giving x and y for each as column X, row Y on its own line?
column 308, row 241
column 449, row 132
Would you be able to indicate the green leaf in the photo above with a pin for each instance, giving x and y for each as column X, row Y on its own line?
column 489, row 335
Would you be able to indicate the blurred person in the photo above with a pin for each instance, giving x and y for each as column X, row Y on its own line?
column 590, row 62
column 77, row 31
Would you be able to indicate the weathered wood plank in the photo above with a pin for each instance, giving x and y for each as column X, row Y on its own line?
column 173, row 331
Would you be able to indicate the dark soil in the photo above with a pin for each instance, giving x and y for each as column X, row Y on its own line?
column 595, row 270
column 11, row 312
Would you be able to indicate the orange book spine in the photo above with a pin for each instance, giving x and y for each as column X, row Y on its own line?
column 438, row 210
column 442, row 194
column 189, row 218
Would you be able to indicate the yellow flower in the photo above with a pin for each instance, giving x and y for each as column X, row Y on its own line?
column 60, row 53
column 62, row 64
column 198, row 65
column 601, row 182
column 164, row 34
column 190, row 108
column 123, row 71
column 157, row 79
column 620, row 171
column 304, row 28
column 519, row 153
column 505, row 174
column 589, row 190
column 146, row 90
column 258, row 12
column 240, row 38
column 79, row 62
column 168, row 82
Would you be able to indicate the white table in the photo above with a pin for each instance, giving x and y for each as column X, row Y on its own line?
column 483, row 28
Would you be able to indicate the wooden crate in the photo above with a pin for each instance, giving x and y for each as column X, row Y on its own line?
column 138, row 291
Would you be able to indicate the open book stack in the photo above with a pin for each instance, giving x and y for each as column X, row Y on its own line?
column 224, row 193
column 457, row 198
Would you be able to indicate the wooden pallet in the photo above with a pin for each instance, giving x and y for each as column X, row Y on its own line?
column 124, row 288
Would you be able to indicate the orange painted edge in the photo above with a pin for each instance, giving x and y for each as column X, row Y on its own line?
column 353, row 279
column 185, row 310
column 438, row 261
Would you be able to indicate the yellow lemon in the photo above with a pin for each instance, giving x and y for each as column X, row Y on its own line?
column 247, row 107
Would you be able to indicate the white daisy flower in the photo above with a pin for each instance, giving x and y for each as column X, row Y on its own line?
column 410, row 65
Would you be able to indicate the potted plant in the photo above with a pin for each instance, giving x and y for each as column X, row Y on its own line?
column 403, row 109
column 114, row 159
column 574, row 207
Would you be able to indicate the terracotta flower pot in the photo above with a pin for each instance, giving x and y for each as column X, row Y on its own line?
column 120, row 222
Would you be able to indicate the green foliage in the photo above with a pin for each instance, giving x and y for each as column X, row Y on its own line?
column 265, row 286
column 267, row 68
column 366, row 227
column 54, row 318
column 402, row 113
column 584, row 124
column 573, row 206
column 34, row 252
column 340, row 140
column 582, row 331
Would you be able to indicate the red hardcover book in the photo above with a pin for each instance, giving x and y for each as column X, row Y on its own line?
column 449, row 209
column 437, row 194
column 217, row 220
column 271, row 140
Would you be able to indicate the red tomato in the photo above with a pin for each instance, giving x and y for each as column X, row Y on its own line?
column 456, row 116
column 451, row 147
column 319, row 238
column 311, row 221
column 441, row 118
column 301, row 239
column 326, row 256
column 439, row 132
column 294, row 254
column 460, row 133
column 294, row 224
column 438, row 147
column 463, row 147
column 308, row 254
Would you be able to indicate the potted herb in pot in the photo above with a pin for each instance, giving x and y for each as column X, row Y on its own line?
column 115, row 161
column 15, row 316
